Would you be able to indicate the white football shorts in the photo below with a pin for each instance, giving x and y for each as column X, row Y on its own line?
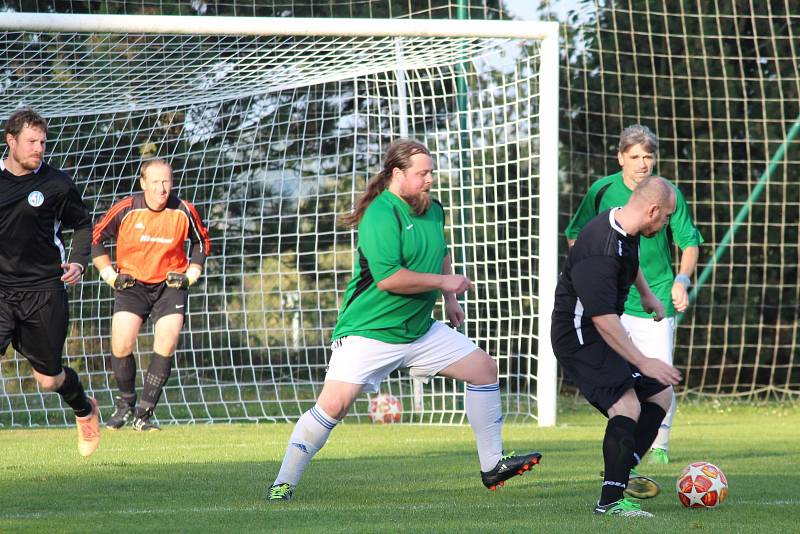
column 654, row 339
column 361, row 360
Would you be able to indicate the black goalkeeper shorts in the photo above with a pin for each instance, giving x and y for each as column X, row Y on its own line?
column 151, row 300
column 603, row 376
column 35, row 324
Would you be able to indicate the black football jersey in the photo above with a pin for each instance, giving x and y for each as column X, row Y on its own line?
column 598, row 272
column 34, row 208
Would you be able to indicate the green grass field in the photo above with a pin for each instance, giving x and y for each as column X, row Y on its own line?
column 399, row 478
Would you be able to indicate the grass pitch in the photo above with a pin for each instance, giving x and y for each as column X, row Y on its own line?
column 401, row 478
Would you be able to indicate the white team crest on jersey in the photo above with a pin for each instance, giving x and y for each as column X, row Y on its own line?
column 139, row 226
column 35, row 198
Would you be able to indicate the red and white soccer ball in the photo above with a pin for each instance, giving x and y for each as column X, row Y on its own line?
column 385, row 408
column 702, row 485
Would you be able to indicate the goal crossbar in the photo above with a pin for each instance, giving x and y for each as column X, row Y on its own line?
column 267, row 26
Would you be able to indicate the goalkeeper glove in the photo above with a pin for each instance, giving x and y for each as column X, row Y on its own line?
column 118, row 281
column 183, row 280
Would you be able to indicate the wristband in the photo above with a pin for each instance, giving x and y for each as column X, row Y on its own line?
column 193, row 274
column 683, row 279
column 108, row 274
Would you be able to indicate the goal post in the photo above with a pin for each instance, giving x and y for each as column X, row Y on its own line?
column 273, row 127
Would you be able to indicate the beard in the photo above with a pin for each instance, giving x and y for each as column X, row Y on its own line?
column 419, row 203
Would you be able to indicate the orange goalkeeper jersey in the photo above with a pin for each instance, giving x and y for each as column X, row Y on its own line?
column 152, row 243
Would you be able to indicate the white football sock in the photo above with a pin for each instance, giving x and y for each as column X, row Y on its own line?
column 308, row 437
column 485, row 415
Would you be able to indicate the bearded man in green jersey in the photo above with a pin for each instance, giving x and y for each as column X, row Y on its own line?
column 401, row 268
column 638, row 147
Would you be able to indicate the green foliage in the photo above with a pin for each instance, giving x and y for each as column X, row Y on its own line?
column 717, row 82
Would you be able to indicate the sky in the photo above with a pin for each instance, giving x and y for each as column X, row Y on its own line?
column 523, row 9
column 527, row 9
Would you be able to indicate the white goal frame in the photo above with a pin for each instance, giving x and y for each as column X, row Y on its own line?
column 545, row 32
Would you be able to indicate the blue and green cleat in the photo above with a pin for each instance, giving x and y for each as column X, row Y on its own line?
column 658, row 456
column 280, row 492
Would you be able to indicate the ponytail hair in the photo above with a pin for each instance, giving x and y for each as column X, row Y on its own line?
column 398, row 156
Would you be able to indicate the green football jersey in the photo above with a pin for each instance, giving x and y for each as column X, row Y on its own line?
column 391, row 237
column 655, row 253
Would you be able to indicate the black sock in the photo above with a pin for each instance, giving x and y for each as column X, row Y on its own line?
column 125, row 375
column 618, row 446
column 647, row 428
column 72, row 393
column 157, row 375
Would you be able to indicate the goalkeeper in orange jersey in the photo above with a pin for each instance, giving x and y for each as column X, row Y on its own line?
column 151, row 280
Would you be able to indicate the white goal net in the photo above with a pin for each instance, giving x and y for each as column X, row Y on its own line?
column 273, row 127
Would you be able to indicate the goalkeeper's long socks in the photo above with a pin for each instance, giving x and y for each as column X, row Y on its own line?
column 308, row 437
column 125, row 374
column 485, row 415
column 154, row 379
column 618, row 446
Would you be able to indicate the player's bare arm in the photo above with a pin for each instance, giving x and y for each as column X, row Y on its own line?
column 680, row 288
column 650, row 302
column 406, row 282
column 452, row 308
column 101, row 262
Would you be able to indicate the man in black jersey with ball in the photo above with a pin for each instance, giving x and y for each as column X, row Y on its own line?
column 593, row 349
column 36, row 201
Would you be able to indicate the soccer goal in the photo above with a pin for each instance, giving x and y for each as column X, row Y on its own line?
column 273, row 127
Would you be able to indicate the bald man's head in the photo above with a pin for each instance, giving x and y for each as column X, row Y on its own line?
column 655, row 190
column 654, row 199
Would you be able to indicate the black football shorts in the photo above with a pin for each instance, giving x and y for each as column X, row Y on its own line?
column 603, row 376
column 35, row 324
column 151, row 300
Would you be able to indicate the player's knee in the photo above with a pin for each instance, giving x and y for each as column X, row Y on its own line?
column 121, row 349
column 628, row 405
column 49, row 383
column 165, row 349
column 663, row 398
column 334, row 406
column 485, row 372
column 335, row 410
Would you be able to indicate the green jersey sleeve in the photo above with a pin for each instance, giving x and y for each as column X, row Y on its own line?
column 379, row 242
column 588, row 208
column 586, row 212
column 684, row 232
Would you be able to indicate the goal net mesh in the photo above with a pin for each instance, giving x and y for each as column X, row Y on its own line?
column 272, row 138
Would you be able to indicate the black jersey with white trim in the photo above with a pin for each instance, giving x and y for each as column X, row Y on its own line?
column 33, row 210
column 595, row 279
